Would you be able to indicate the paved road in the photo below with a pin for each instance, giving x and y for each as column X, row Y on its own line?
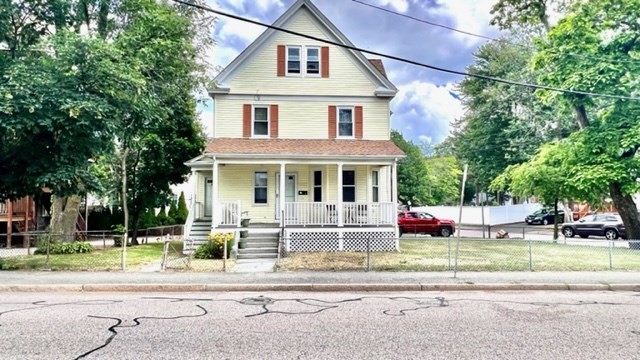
column 427, row 325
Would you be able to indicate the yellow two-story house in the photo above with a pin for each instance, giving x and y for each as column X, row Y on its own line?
column 301, row 143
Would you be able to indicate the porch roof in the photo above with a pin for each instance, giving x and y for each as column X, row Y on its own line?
column 303, row 147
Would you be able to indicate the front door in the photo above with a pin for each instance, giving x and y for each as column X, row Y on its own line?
column 289, row 191
column 208, row 186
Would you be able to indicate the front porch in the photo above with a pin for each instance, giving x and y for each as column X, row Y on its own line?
column 316, row 204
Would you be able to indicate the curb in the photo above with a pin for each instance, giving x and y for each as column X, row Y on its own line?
column 314, row 287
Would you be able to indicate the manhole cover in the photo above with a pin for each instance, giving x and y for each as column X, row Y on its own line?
column 257, row 301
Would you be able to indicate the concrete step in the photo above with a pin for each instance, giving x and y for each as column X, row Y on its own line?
column 258, row 251
column 261, row 245
column 258, row 256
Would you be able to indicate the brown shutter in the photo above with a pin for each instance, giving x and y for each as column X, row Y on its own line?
column 332, row 122
column 324, row 61
column 281, row 60
column 358, row 134
column 246, row 120
column 274, row 120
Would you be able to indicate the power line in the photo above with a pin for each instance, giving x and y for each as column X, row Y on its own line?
column 485, row 37
column 404, row 60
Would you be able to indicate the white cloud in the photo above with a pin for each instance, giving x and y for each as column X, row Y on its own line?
column 205, row 116
column 426, row 109
column 425, row 139
column 469, row 15
column 399, row 5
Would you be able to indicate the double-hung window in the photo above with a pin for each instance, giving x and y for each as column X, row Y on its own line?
column 313, row 60
column 345, row 122
column 260, row 187
column 260, row 122
column 294, row 54
column 375, row 186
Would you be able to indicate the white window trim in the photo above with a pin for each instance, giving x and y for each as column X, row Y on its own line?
column 253, row 189
column 286, row 61
column 353, row 122
column 253, row 120
column 319, row 74
column 375, row 186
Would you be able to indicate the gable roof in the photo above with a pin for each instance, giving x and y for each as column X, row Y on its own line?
column 387, row 87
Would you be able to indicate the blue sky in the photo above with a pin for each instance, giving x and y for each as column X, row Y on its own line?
column 426, row 103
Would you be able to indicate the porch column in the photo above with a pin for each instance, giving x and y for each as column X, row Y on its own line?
column 339, row 192
column 215, row 221
column 193, row 205
column 281, row 191
column 394, row 198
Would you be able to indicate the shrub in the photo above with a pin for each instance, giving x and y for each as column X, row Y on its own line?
column 58, row 247
column 214, row 247
column 182, row 212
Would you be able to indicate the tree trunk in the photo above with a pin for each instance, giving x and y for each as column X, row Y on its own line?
column 627, row 210
column 64, row 216
column 125, row 240
column 135, row 217
column 581, row 115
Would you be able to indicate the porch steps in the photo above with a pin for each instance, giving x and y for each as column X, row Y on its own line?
column 260, row 245
column 199, row 233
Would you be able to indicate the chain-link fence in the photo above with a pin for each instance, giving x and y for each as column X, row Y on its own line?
column 426, row 253
column 88, row 250
column 176, row 259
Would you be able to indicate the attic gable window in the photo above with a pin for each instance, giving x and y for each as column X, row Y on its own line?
column 293, row 59
column 313, row 60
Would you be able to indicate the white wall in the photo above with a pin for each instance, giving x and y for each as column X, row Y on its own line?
column 472, row 215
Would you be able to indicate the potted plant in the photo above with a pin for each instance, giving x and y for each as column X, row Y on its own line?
column 119, row 231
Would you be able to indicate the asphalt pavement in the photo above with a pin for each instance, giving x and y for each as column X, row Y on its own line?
column 303, row 325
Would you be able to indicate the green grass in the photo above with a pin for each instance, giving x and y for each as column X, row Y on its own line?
column 108, row 259
column 475, row 255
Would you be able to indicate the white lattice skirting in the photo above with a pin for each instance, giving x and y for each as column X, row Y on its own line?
column 314, row 240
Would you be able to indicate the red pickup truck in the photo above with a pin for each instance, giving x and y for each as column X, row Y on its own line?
column 424, row 223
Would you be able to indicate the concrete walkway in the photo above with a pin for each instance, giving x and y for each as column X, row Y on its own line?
column 254, row 266
column 317, row 281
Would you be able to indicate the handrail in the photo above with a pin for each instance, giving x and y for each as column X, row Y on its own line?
column 190, row 217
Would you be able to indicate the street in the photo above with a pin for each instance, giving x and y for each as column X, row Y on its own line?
column 290, row 325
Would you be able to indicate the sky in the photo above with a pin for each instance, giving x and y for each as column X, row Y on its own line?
column 426, row 103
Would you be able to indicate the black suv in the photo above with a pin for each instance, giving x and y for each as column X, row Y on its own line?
column 544, row 217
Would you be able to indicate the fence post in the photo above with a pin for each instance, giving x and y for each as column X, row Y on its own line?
column 530, row 258
column 368, row 253
column 449, row 250
column 224, row 253
column 523, row 230
column 610, row 255
column 165, row 255
column 46, row 262
column 489, row 226
column 104, row 240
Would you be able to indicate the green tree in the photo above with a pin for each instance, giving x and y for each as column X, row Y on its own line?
column 413, row 180
column 161, row 217
column 605, row 33
column 444, row 177
column 173, row 209
column 182, row 211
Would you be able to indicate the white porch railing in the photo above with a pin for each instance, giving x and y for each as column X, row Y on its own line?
column 229, row 213
column 320, row 214
column 379, row 213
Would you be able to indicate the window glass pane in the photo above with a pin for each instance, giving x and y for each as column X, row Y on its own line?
column 313, row 67
column 294, row 53
column 261, row 128
column 348, row 193
column 374, row 195
column 348, row 177
column 346, row 129
column 374, row 178
column 260, row 113
column 294, row 67
column 260, row 196
column 261, row 179
column 312, row 54
column 344, row 115
column 317, row 194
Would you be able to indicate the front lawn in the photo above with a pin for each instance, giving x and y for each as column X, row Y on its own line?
column 430, row 254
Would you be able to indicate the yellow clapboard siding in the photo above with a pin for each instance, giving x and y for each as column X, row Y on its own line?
column 302, row 119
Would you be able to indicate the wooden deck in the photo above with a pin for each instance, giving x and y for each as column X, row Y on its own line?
column 19, row 213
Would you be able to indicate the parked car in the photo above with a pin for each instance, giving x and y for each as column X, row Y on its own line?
column 608, row 225
column 424, row 223
column 544, row 217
